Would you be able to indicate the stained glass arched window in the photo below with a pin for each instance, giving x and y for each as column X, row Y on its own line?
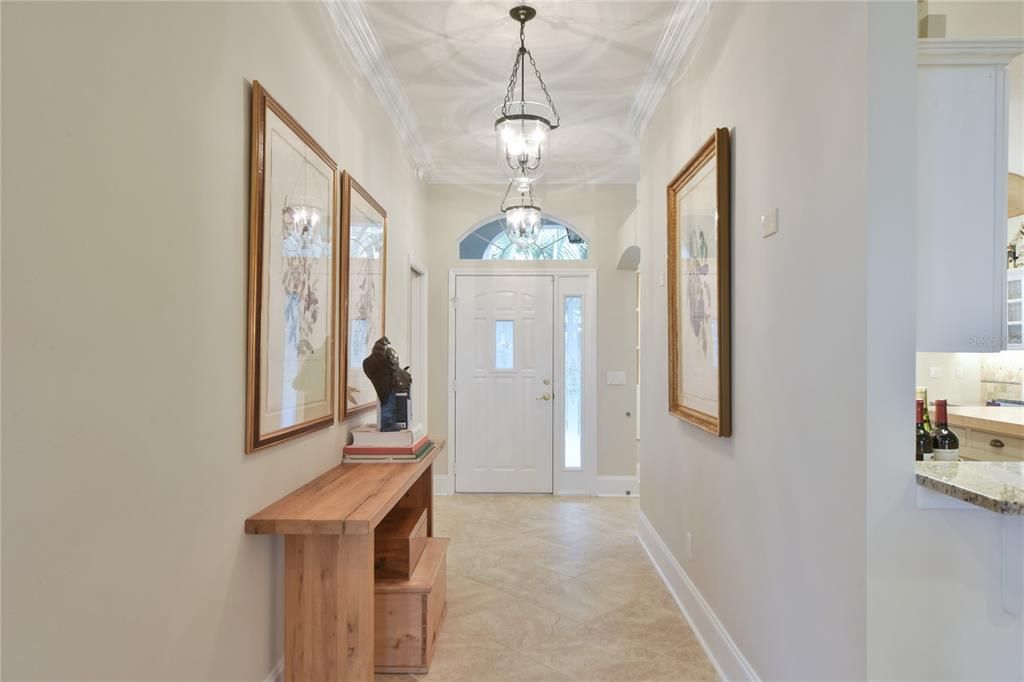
column 557, row 241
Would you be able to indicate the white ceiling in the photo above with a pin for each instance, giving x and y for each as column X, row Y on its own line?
column 440, row 68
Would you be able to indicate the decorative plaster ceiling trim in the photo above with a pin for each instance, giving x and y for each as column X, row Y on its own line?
column 687, row 19
column 355, row 30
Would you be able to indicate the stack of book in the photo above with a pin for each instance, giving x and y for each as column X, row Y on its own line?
column 371, row 445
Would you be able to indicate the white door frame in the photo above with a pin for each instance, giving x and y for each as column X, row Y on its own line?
column 568, row 282
column 422, row 353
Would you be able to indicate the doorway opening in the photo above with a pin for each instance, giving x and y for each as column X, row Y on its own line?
column 522, row 365
column 418, row 339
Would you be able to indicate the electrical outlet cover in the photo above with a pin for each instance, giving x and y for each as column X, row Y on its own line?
column 616, row 378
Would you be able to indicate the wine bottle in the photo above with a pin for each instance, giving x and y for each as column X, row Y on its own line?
column 924, row 439
column 945, row 444
column 922, row 395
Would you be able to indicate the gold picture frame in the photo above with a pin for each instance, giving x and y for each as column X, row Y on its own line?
column 364, row 292
column 293, row 263
column 699, row 310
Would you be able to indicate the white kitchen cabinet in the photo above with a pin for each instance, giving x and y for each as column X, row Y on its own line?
column 961, row 195
column 1014, row 313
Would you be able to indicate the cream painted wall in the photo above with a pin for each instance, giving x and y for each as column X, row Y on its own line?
column 597, row 211
column 807, row 543
column 980, row 18
column 126, row 179
column 776, row 511
column 1015, row 139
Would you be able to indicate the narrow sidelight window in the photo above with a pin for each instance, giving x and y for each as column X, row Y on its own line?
column 573, row 382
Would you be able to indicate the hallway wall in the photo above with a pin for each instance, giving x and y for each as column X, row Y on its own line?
column 807, row 543
column 776, row 512
column 126, row 190
column 597, row 211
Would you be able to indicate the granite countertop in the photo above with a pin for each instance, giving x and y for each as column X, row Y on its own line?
column 996, row 486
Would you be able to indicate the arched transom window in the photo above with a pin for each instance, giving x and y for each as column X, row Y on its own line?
column 556, row 242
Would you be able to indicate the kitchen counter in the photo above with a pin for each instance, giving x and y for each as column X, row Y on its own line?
column 1003, row 420
column 996, row 486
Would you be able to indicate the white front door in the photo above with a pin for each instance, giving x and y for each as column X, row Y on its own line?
column 504, row 338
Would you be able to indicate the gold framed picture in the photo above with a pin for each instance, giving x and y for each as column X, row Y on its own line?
column 364, row 227
column 699, row 335
column 293, row 210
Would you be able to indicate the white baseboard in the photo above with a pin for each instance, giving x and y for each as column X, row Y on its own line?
column 616, row 486
column 277, row 674
column 442, row 486
column 727, row 658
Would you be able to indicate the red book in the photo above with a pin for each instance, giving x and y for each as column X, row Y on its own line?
column 410, row 451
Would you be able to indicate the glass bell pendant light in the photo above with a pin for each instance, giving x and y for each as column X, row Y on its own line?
column 523, row 128
column 522, row 217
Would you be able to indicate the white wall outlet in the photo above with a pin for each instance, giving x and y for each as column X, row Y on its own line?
column 661, row 279
column 616, row 378
column 935, row 372
column 689, row 546
column 770, row 223
column 960, row 373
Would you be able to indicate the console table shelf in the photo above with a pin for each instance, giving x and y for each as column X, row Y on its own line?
column 329, row 579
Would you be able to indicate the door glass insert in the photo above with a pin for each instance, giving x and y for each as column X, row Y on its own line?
column 504, row 344
column 573, row 382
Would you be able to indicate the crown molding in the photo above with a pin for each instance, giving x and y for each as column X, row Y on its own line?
column 968, row 52
column 355, row 31
column 688, row 17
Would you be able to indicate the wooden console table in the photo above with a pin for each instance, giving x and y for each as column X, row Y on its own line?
column 328, row 526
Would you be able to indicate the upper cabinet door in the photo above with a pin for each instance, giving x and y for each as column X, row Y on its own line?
column 961, row 197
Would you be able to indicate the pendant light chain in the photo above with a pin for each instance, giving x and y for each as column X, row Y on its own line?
column 519, row 73
column 551, row 103
column 512, row 83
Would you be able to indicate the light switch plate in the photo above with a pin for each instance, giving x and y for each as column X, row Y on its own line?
column 616, row 378
column 935, row 372
column 960, row 373
column 770, row 223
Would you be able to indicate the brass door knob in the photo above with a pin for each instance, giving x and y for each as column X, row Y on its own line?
column 546, row 396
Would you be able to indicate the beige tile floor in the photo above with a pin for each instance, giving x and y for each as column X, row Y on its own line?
column 554, row 588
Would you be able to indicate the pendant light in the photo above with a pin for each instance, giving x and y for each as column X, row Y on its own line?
column 522, row 216
column 523, row 128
